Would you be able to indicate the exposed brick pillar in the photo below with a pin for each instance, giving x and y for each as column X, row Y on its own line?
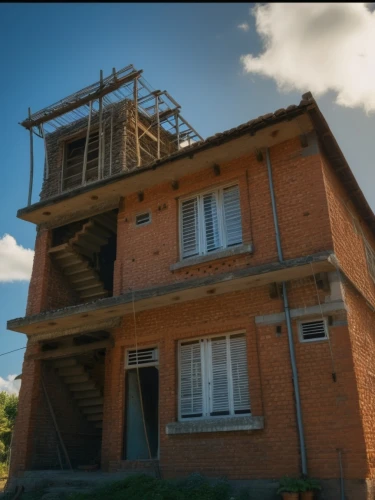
column 37, row 296
column 114, row 403
column 29, row 397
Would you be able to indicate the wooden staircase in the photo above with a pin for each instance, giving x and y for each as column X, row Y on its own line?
column 77, row 257
column 84, row 390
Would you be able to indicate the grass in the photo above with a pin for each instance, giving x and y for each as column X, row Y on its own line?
column 143, row 487
column 3, row 474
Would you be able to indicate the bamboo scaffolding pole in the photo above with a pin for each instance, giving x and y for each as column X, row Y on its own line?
column 31, row 164
column 158, row 123
column 110, row 143
column 46, row 169
column 177, row 130
column 86, row 146
column 136, row 122
column 100, row 129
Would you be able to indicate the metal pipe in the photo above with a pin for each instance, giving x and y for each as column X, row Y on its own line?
column 31, row 163
column 288, row 324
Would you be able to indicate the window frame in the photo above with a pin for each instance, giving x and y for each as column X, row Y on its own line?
column 202, row 240
column 310, row 320
column 206, row 368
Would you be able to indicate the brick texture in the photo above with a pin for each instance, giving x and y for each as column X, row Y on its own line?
column 315, row 214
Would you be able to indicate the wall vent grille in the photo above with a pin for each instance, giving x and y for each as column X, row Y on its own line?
column 313, row 330
column 142, row 357
column 143, row 219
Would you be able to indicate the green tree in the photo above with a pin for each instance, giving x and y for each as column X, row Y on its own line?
column 8, row 413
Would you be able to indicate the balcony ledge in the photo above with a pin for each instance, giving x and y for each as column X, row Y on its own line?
column 86, row 316
column 227, row 424
column 220, row 254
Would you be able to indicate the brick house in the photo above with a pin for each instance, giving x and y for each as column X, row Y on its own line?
column 202, row 305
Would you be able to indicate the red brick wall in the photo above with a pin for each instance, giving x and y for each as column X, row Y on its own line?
column 348, row 231
column 331, row 413
column 362, row 332
column 144, row 254
column 48, row 287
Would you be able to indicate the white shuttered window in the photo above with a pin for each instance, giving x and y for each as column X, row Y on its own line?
column 210, row 221
column 213, row 377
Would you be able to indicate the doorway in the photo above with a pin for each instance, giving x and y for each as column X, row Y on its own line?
column 142, row 428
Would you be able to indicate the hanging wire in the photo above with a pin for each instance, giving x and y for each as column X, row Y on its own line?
column 14, row 350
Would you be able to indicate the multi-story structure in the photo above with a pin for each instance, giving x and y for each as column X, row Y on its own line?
column 207, row 305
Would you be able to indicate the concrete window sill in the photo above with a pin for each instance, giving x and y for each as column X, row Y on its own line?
column 220, row 254
column 228, row 424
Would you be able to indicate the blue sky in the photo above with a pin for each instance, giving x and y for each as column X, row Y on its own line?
column 191, row 50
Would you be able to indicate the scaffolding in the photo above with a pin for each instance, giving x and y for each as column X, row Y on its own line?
column 153, row 128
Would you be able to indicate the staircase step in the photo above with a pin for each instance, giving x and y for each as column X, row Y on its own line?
column 84, row 395
column 90, row 402
column 82, row 386
column 99, row 425
column 67, row 371
column 59, row 248
column 87, row 410
column 85, row 275
column 106, row 221
column 77, row 379
column 76, row 269
column 70, row 260
column 64, row 362
column 86, row 285
column 102, row 231
column 98, row 291
column 90, row 236
column 95, row 418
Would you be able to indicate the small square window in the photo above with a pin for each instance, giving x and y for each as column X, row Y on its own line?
column 310, row 331
column 143, row 219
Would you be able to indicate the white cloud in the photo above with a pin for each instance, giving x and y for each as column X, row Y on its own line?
column 243, row 27
column 319, row 47
column 10, row 385
column 16, row 262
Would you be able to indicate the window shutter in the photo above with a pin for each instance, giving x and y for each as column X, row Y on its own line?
column 191, row 387
column 189, row 242
column 240, row 379
column 232, row 215
column 219, row 391
column 211, row 223
column 313, row 330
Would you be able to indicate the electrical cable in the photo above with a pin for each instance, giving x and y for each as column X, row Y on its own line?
column 20, row 349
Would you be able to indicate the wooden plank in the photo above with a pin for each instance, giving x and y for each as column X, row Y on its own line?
column 119, row 82
column 65, row 352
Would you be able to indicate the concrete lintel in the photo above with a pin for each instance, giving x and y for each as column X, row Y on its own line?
column 228, row 424
column 328, row 307
column 222, row 254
